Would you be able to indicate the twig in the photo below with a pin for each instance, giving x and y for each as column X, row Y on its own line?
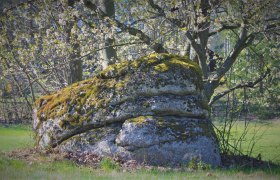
column 250, row 84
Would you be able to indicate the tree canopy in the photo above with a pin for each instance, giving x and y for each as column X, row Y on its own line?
column 49, row 44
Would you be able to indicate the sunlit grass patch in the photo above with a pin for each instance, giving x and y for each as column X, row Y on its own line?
column 263, row 136
column 15, row 136
column 15, row 169
column 44, row 166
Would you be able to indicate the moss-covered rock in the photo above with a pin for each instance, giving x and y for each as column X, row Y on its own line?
column 169, row 140
column 158, row 85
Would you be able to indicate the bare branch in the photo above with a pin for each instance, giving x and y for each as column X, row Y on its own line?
column 243, row 42
column 78, row 130
column 203, row 35
column 65, row 63
column 239, row 46
column 115, row 45
column 16, row 81
column 194, row 44
column 157, row 47
column 224, row 27
column 14, row 6
column 157, row 7
column 250, row 84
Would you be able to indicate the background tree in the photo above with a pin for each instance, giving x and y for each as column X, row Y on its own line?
column 53, row 43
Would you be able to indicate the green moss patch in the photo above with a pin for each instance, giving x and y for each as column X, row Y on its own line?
column 76, row 103
column 182, row 129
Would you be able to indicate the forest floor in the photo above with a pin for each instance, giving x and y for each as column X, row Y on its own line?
column 19, row 160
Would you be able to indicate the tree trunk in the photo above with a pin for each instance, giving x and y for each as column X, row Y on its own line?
column 76, row 69
column 109, row 54
column 75, row 64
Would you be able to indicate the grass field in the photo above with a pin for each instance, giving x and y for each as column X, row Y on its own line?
column 20, row 137
column 264, row 135
column 14, row 137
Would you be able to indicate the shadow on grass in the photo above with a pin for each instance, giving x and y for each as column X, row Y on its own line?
column 248, row 164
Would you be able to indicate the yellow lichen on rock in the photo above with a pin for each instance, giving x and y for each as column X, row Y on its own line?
column 140, row 119
column 151, row 110
column 161, row 67
column 92, row 93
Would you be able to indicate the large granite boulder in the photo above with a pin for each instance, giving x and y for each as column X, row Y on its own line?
column 152, row 110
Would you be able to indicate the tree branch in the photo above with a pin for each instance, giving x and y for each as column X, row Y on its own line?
column 239, row 46
column 194, row 44
column 157, row 47
column 157, row 7
column 224, row 27
column 203, row 35
column 91, row 52
column 13, row 6
column 161, row 12
column 250, row 84
column 115, row 45
column 243, row 41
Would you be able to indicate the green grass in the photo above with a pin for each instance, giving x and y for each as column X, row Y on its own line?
column 264, row 136
column 16, row 137
column 15, row 169
column 107, row 164
column 267, row 140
